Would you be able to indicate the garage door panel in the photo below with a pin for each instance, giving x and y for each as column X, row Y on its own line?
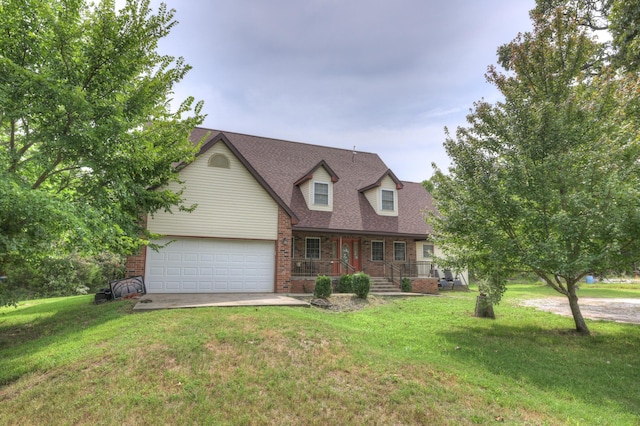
column 205, row 286
column 173, row 285
column 193, row 265
column 191, row 257
column 189, row 285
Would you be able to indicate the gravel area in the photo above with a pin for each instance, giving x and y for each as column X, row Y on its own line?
column 618, row 310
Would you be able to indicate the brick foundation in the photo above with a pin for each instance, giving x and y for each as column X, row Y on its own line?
column 424, row 285
column 301, row 285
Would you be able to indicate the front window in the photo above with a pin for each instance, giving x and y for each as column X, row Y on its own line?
column 388, row 202
column 427, row 250
column 321, row 193
column 377, row 250
column 399, row 251
column 312, row 248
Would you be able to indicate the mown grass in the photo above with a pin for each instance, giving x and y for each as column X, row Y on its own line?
column 410, row 361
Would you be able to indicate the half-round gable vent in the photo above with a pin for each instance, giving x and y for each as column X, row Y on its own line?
column 219, row 160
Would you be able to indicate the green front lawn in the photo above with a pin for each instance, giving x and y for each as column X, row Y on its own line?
column 410, row 361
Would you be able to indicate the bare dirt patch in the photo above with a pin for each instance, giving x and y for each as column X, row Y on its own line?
column 347, row 302
column 616, row 309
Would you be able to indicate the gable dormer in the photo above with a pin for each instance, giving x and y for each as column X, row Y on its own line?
column 317, row 187
column 383, row 194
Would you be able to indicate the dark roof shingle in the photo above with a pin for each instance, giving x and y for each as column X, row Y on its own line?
column 282, row 164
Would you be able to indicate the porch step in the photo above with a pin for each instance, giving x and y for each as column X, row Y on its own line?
column 382, row 285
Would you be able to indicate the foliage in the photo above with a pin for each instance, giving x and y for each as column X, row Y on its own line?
column 345, row 284
column 323, row 287
column 86, row 126
column 53, row 276
column 625, row 30
column 405, row 285
column 428, row 184
column 547, row 180
column 361, row 283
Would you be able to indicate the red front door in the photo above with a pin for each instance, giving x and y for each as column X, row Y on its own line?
column 346, row 251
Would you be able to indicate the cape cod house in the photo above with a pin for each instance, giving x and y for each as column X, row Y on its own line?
column 272, row 215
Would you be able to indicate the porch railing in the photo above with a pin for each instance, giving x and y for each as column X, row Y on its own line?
column 395, row 271
column 314, row 267
column 419, row 269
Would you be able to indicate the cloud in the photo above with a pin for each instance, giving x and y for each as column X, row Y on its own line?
column 386, row 74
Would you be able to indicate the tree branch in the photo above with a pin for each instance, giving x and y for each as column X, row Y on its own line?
column 47, row 173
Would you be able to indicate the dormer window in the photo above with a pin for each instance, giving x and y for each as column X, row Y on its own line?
column 383, row 194
column 321, row 193
column 387, row 200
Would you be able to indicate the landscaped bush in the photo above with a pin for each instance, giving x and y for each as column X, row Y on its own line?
column 405, row 285
column 361, row 283
column 323, row 287
column 344, row 284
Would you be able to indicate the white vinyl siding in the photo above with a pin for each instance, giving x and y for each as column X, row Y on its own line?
column 308, row 188
column 374, row 196
column 230, row 202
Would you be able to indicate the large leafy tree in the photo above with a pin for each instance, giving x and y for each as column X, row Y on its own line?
column 86, row 124
column 547, row 180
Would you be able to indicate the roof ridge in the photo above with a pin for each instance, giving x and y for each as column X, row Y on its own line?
column 286, row 140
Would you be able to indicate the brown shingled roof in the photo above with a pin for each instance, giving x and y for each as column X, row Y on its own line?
column 280, row 164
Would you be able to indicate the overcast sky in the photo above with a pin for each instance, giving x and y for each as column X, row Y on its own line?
column 384, row 75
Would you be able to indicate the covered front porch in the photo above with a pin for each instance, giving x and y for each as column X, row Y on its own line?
column 386, row 259
column 335, row 267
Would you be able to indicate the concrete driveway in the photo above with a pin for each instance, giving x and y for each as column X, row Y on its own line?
column 151, row 301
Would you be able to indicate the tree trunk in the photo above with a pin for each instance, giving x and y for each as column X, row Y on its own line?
column 581, row 325
column 484, row 308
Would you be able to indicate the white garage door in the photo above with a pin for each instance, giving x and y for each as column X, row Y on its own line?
column 202, row 265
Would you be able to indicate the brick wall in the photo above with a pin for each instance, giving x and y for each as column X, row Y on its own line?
column 373, row 268
column 284, row 246
column 302, row 285
column 134, row 265
column 424, row 285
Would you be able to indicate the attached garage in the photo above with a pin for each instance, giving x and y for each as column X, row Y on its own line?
column 210, row 265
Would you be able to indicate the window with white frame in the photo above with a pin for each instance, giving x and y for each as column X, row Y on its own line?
column 388, row 200
column 427, row 250
column 312, row 248
column 377, row 250
column 321, row 193
column 399, row 251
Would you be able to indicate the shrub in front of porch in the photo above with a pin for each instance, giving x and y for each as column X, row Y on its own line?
column 406, row 285
column 345, row 284
column 323, row 287
column 361, row 283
